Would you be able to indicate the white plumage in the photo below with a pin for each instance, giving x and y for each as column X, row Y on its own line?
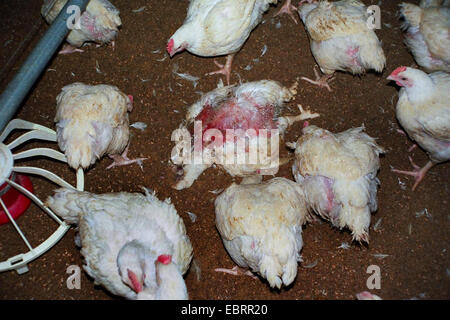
column 434, row 3
column 423, row 110
column 128, row 241
column 217, row 27
column 340, row 37
column 92, row 121
column 428, row 35
column 99, row 23
column 339, row 175
column 261, row 227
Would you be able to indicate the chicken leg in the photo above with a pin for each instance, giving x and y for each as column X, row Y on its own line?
column 224, row 69
column 414, row 146
column 123, row 160
column 418, row 173
column 321, row 81
column 237, row 271
column 287, row 8
column 286, row 121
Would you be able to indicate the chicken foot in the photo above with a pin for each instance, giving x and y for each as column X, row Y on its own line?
column 286, row 121
column 414, row 146
column 237, row 271
column 289, row 9
column 224, row 69
column 321, row 81
column 123, row 160
column 67, row 48
column 418, row 173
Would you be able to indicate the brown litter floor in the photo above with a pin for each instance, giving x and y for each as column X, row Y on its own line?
column 416, row 262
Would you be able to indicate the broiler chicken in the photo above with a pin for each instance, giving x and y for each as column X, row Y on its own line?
column 218, row 27
column 99, row 23
column 261, row 227
column 242, row 117
column 423, row 110
column 341, row 39
column 92, row 121
column 428, row 35
column 338, row 173
column 133, row 244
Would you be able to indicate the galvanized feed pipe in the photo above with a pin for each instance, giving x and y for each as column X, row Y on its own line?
column 36, row 62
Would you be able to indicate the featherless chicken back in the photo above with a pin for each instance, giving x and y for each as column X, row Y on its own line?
column 234, row 122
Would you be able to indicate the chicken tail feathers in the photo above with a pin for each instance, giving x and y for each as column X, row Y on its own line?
column 412, row 15
column 372, row 57
column 82, row 142
column 66, row 204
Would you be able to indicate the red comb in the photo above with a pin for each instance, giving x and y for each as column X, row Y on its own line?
column 398, row 70
column 165, row 259
column 131, row 98
column 170, row 46
column 137, row 286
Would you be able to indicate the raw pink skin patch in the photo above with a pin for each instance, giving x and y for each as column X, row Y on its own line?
column 231, row 116
column 165, row 259
column 353, row 53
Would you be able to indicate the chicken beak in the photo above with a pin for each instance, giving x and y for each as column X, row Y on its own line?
column 137, row 285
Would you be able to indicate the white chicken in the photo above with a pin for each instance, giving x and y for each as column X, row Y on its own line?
column 232, row 124
column 341, row 38
column 261, row 227
column 423, row 110
column 428, row 35
column 338, row 173
column 218, row 27
column 133, row 244
column 92, row 121
column 99, row 23
column 434, row 3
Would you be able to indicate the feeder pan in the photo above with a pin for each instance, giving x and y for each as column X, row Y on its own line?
column 16, row 190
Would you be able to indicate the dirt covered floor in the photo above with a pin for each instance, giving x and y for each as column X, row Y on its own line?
column 410, row 242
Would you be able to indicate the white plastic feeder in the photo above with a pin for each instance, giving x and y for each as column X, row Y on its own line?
column 9, row 176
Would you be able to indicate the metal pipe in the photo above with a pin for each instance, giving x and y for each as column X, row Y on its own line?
column 36, row 62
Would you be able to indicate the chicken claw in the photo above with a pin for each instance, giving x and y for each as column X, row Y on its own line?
column 418, row 173
column 123, row 160
column 69, row 49
column 287, row 8
column 236, row 271
column 304, row 115
column 321, row 81
column 224, row 69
